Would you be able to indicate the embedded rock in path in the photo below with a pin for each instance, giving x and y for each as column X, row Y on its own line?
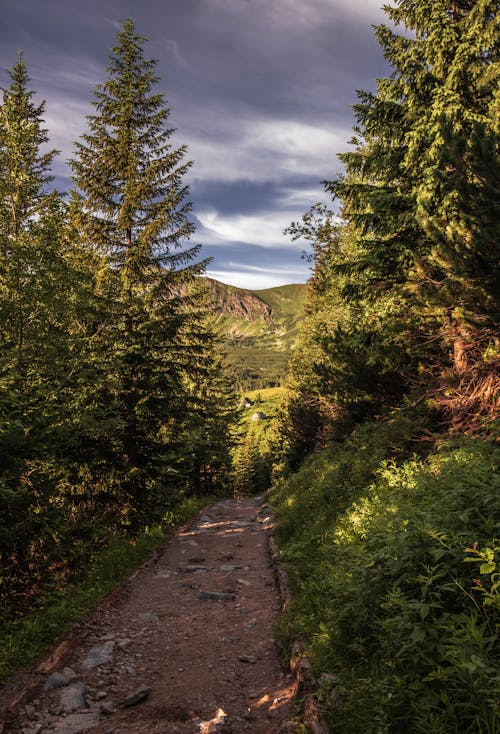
column 99, row 655
column 56, row 680
column 73, row 697
column 76, row 723
column 140, row 694
column 216, row 596
column 108, row 708
column 192, row 569
column 228, row 567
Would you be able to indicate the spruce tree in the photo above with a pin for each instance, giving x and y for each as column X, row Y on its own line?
column 28, row 211
column 133, row 212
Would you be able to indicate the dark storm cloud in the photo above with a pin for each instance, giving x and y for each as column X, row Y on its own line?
column 260, row 90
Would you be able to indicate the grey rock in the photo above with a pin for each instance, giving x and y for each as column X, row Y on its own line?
column 192, row 569
column 76, row 723
column 216, row 596
column 108, row 708
column 138, row 696
column 228, row 567
column 29, row 710
column 99, row 655
column 122, row 644
column 70, row 673
column 34, row 729
column 73, row 697
column 247, row 659
column 56, row 680
column 148, row 617
column 197, row 559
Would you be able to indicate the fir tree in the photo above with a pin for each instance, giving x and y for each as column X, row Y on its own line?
column 132, row 210
column 27, row 217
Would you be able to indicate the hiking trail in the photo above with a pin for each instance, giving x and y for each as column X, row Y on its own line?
column 186, row 648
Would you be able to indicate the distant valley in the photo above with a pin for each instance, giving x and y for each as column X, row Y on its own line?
column 260, row 330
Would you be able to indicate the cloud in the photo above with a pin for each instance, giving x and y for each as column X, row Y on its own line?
column 263, row 230
column 260, row 91
column 257, row 280
column 270, row 149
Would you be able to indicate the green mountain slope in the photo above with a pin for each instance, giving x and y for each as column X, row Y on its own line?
column 260, row 329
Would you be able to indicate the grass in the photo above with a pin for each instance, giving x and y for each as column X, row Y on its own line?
column 24, row 641
column 394, row 565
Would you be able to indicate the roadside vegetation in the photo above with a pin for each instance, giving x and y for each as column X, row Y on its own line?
column 394, row 565
column 25, row 638
column 386, row 464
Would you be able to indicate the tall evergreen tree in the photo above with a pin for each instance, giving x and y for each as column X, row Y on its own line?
column 407, row 288
column 132, row 210
column 27, row 217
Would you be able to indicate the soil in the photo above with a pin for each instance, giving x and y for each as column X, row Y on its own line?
column 197, row 661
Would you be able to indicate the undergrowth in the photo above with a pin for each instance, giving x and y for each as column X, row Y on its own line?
column 25, row 639
column 394, row 565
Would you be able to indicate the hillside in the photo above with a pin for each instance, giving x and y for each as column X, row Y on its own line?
column 260, row 330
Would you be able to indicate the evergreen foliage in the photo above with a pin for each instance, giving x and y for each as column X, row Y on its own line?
column 395, row 573
column 113, row 405
column 404, row 293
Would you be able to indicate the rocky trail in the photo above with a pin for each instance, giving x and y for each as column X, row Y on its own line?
column 187, row 646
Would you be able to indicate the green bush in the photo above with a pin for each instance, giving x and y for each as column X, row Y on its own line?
column 394, row 567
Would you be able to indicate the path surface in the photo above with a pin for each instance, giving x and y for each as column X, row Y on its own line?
column 192, row 638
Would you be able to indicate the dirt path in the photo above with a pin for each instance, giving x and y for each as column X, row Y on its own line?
column 193, row 639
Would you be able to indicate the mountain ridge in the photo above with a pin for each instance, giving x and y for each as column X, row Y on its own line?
column 259, row 329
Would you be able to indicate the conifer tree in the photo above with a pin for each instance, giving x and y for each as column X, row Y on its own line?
column 28, row 213
column 132, row 210
column 412, row 274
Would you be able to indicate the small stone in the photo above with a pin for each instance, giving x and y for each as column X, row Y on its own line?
column 101, row 694
column 197, row 559
column 99, row 655
column 30, row 710
column 108, row 708
column 226, row 567
column 73, row 697
column 122, row 644
column 148, row 617
column 216, row 596
column 70, row 673
column 56, row 680
column 192, row 569
column 247, row 659
column 243, row 582
column 138, row 696
column 77, row 723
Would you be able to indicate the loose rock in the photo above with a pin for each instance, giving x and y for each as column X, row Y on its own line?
column 56, row 680
column 76, row 723
column 73, row 697
column 140, row 694
column 99, row 655
column 216, row 596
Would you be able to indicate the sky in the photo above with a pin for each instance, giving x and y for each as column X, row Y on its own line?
column 261, row 92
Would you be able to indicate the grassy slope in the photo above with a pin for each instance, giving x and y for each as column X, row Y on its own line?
column 395, row 578
column 258, row 350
